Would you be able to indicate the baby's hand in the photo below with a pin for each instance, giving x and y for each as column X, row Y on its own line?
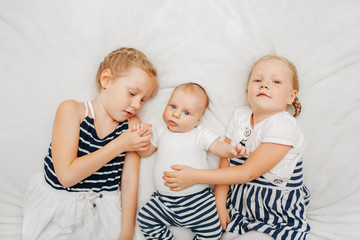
column 240, row 151
column 143, row 129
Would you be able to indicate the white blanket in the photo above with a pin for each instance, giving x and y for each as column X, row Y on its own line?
column 50, row 51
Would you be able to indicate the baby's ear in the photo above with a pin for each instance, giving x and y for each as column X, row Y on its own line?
column 105, row 78
column 202, row 116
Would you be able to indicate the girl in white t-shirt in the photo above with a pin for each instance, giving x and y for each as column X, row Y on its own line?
column 267, row 198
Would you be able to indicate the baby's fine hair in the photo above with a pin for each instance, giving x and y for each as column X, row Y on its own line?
column 122, row 59
column 195, row 87
column 294, row 77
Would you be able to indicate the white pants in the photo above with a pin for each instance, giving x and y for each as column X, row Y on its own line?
column 62, row 215
column 252, row 235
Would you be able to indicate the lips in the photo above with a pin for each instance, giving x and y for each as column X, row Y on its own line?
column 128, row 113
column 172, row 123
column 263, row 95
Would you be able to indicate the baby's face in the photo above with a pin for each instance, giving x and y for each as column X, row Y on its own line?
column 184, row 110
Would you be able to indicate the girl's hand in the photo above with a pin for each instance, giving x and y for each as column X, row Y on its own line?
column 239, row 151
column 180, row 179
column 135, row 140
column 224, row 216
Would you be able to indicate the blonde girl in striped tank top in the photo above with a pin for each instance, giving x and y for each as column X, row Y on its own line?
column 89, row 186
column 267, row 198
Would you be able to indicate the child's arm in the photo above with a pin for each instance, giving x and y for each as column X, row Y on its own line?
column 151, row 149
column 71, row 169
column 262, row 160
column 129, row 191
column 129, row 195
column 226, row 150
column 221, row 192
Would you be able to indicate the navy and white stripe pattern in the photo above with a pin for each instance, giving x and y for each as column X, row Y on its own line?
column 105, row 179
column 263, row 206
column 196, row 212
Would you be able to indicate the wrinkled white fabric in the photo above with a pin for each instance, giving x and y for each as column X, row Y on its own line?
column 61, row 215
column 50, row 51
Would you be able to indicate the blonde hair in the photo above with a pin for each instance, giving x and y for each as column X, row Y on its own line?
column 294, row 78
column 122, row 59
column 195, row 87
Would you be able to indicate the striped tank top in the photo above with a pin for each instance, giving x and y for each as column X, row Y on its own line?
column 107, row 178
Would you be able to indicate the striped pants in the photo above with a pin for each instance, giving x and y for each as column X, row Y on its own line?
column 196, row 212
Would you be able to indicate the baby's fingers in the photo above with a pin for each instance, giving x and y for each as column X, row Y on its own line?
column 243, row 151
column 248, row 151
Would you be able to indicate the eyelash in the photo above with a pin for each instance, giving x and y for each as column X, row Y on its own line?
column 274, row 81
column 185, row 112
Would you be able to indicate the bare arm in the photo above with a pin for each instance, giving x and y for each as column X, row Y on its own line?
column 129, row 195
column 265, row 157
column 151, row 149
column 221, row 192
column 71, row 169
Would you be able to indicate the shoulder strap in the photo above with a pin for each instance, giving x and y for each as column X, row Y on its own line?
column 86, row 109
column 91, row 109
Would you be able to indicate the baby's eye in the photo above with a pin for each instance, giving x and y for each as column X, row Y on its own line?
column 186, row 113
column 173, row 106
column 132, row 93
column 257, row 80
column 276, row 82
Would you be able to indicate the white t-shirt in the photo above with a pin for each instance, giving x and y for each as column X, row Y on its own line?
column 187, row 148
column 280, row 128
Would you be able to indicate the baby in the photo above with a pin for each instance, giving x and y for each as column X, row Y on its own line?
column 181, row 140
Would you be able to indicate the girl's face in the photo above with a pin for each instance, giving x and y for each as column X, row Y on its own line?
column 270, row 87
column 184, row 110
column 124, row 96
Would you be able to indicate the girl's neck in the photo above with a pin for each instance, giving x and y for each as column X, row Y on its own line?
column 104, row 124
column 257, row 117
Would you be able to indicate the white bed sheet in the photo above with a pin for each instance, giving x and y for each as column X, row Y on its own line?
column 50, row 50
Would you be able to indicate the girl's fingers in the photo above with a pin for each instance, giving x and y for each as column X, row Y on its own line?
column 177, row 167
column 168, row 179
column 171, row 174
column 223, row 225
column 171, row 185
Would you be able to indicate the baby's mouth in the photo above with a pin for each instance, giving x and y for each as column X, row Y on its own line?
column 172, row 123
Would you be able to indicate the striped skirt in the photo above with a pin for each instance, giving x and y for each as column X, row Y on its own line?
column 196, row 212
column 263, row 206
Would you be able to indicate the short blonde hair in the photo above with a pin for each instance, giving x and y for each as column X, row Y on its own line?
column 122, row 59
column 195, row 87
column 294, row 77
